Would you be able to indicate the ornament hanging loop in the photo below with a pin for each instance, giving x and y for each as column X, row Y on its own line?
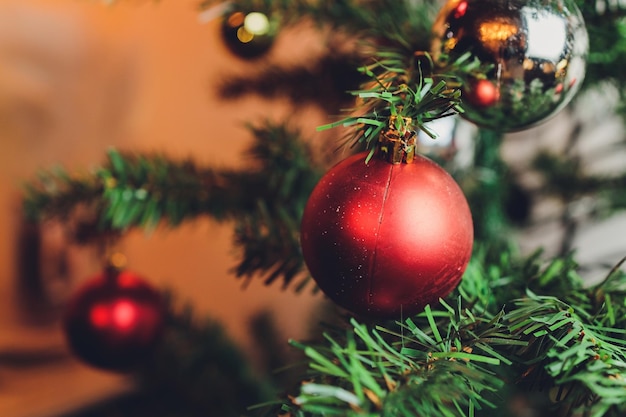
column 114, row 263
column 398, row 141
column 116, row 260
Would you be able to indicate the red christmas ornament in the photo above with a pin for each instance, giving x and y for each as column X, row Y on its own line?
column 114, row 320
column 482, row 93
column 382, row 239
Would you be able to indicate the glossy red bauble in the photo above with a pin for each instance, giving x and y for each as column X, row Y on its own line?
column 382, row 239
column 114, row 320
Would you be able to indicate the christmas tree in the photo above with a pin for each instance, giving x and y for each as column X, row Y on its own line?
column 437, row 309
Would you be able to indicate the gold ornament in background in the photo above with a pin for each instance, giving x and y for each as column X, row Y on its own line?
column 248, row 35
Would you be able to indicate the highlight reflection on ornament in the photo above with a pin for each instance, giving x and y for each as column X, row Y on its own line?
column 534, row 52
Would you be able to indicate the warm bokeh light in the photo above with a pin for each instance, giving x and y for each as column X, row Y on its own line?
column 243, row 35
column 493, row 31
column 256, row 23
column 100, row 315
column 236, row 19
column 460, row 10
column 124, row 314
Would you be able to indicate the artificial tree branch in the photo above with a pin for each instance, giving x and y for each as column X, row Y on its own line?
column 143, row 191
column 451, row 359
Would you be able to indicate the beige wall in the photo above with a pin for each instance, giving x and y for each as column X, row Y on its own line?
column 77, row 77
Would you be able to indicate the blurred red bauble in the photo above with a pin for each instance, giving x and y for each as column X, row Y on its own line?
column 482, row 93
column 382, row 239
column 114, row 320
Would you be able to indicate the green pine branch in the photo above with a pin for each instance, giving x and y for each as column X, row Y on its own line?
column 457, row 358
column 403, row 95
column 583, row 359
column 374, row 374
column 129, row 191
column 265, row 201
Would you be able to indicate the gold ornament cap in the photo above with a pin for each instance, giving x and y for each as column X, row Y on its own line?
column 398, row 141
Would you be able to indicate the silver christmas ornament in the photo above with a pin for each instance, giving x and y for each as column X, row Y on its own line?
column 533, row 56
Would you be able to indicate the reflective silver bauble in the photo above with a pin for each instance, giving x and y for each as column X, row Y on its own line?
column 533, row 51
